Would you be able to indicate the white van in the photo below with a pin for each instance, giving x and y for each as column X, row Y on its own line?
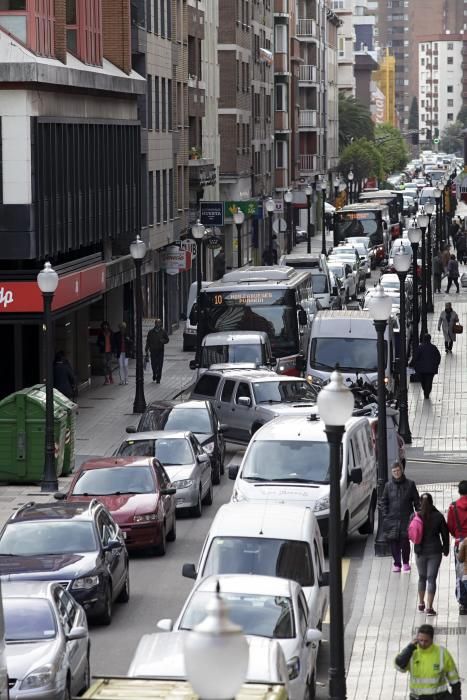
column 189, row 332
column 235, row 348
column 4, row 693
column 287, row 461
column 348, row 339
column 278, row 540
column 320, row 277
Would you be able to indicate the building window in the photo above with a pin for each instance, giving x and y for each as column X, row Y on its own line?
column 157, row 104
column 281, row 154
column 13, row 18
column 164, row 196
column 450, row 88
column 450, row 60
column 149, row 100
column 164, row 104
column 450, row 103
column 281, row 97
column 450, row 47
column 84, row 30
column 281, row 38
column 171, row 194
column 148, row 16
column 341, row 46
column 450, row 117
column 162, row 18
column 169, row 106
column 151, row 198
column 158, row 196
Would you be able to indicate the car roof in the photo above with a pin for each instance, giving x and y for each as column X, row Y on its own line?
column 26, row 589
column 257, row 375
column 157, row 435
column 270, row 520
column 301, row 428
column 246, row 337
column 63, row 510
column 116, row 462
column 248, row 583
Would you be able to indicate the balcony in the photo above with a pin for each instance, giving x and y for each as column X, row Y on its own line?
column 201, row 172
column 308, row 163
column 307, row 74
column 306, row 29
column 308, row 119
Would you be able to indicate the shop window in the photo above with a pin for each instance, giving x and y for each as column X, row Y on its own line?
column 84, row 30
column 31, row 22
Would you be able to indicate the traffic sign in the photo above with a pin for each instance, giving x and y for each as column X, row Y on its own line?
column 279, row 226
column 211, row 213
column 188, row 244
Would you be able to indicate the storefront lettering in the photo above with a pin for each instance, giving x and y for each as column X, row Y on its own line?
column 6, row 297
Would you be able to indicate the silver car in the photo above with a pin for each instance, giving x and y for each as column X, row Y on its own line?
column 47, row 641
column 186, row 463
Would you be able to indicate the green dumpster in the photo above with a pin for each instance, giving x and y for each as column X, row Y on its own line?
column 22, row 437
column 71, row 409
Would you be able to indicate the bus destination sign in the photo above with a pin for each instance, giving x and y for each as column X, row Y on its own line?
column 245, row 297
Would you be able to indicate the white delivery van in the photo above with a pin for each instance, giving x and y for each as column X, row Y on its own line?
column 277, row 540
column 236, row 348
column 320, row 277
column 348, row 339
column 189, row 332
column 287, row 461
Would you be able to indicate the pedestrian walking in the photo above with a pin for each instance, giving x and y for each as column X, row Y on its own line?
column 445, row 258
column 428, row 553
column 454, row 230
column 457, row 526
column 437, row 272
column 461, row 583
column 64, row 377
column 426, row 362
column 431, row 667
column 123, row 348
column 400, row 501
column 453, row 274
column 155, row 342
column 461, row 246
column 105, row 344
column 447, row 321
column 268, row 256
column 276, row 249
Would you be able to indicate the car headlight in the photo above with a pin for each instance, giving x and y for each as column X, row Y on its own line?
column 84, row 583
column 144, row 517
column 315, row 380
column 183, row 483
column 293, row 667
column 209, row 447
column 39, row 678
column 321, row 504
column 237, row 496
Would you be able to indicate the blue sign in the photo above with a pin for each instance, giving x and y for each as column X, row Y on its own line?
column 211, row 213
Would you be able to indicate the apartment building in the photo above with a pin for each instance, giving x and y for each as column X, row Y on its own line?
column 70, row 177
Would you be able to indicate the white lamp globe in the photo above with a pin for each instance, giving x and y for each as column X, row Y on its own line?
column 47, row 279
column 429, row 208
column 319, row 186
column 422, row 220
column 336, row 181
column 308, row 190
column 288, row 196
column 216, row 654
column 198, row 230
column 402, row 260
column 414, row 234
column 138, row 249
column 335, row 401
column 239, row 217
column 350, row 176
column 270, row 205
column 379, row 304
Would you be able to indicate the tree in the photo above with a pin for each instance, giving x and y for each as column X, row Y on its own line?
column 413, row 115
column 362, row 158
column 354, row 121
column 392, row 147
column 462, row 117
column 452, row 138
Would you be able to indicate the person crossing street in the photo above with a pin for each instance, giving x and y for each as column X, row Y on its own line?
column 155, row 343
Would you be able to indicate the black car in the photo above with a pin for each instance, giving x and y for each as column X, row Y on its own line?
column 196, row 416
column 78, row 544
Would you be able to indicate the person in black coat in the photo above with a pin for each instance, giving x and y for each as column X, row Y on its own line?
column 400, row 501
column 64, row 378
column 428, row 553
column 426, row 362
column 123, row 348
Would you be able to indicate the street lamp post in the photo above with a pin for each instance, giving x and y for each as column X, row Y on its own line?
column 239, row 218
column 350, row 178
column 198, row 232
column 323, row 214
column 402, row 263
column 335, row 406
column 216, row 654
column 138, row 251
column 380, row 309
column 422, row 221
column 437, row 194
column 336, row 184
column 308, row 192
column 270, row 208
column 47, row 281
column 415, row 236
column 430, row 307
column 288, row 198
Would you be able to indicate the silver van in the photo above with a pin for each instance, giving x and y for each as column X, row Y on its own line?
column 320, row 278
column 236, row 347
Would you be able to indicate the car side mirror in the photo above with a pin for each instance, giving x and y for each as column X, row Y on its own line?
column 189, row 571
column 203, row 458
column 356, row 475
column 323, row 580
column 302, row 317
column 233, row 471
column 60, row 496
column 313, row 636
column 166, row 624
column 77, row 632
column 193, row 364
column 244, row 401
column 131, row 429
column 171, row 491
column 112, row 545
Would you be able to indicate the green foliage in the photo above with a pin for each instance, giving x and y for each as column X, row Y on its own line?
column 392, row 148
column 413, row 114
column 354, row 121
column 452, row 138
column 363, row 158
column 462, row 117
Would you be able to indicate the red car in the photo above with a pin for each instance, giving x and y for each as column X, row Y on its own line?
column 137, row 492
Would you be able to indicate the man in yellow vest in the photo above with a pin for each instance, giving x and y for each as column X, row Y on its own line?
column 431, row 667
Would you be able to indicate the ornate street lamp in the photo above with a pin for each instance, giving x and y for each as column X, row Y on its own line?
column 288, row 198
column 350, row 178
column 198, row 231
column 47, row 281
column 335, row 406
column 323, row 215
column 138, row 251
column 379, row 308
column 308, row 192
column 422, row 222
column 216, row 654
column 430, row 307
column 270, row 208
column 239, row 218
column 402, row 262
column 415, row 236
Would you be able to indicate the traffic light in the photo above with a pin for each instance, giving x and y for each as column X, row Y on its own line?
column 415, row 138
column 436, row 133
column 428, row 135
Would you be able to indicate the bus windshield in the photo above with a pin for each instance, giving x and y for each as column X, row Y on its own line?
column 353, row 224
column 254, row 310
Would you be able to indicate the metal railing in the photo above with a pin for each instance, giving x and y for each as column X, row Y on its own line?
column 307, row 74
column 308, row 118
column 306, row 27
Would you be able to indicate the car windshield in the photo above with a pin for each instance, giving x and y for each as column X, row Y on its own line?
column 28, row 620
column 262, row 615
column 169, row 451
column 393, row 285
column 337, row 270
column 42, row 537
column 291, row 461
column 319, row 283
column 260, row 555
column 235, row 353
column 196, row 420
column 284, row 392
column 351, row 354
column 114, row 480
column 343, row 252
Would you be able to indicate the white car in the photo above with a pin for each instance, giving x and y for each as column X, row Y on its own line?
column 346, row 276
column 361, row 245
column 263, row 606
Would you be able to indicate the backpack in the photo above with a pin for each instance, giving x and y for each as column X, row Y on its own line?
column 415, row 529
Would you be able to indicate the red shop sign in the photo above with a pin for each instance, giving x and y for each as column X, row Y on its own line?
column 25, row 297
